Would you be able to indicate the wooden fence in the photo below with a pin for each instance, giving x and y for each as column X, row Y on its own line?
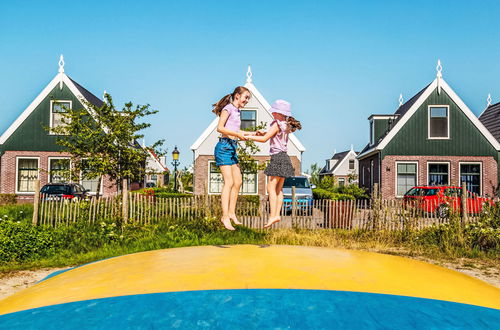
column 315, row 214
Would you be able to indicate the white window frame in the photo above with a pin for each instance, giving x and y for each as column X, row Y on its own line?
column 256, row 113
column 17, row 174
column 396, row 175
column 439, row 162
column 49, row 167
column 93, row 193
column 480, row 174
column 211, row 193
column 51, row 108
column 343, row 181
column 429, row 122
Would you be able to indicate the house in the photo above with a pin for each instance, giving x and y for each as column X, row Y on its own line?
column 432, row 139
column 29, row 152
column 157, row 174
column 343, row 166
column 207, row 177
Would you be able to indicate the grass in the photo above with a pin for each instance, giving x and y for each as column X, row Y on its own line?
column 28, row 247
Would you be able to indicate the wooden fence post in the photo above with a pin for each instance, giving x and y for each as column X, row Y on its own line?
column 294, row 202
column 464, row 202
column 125, row 200
column 36, row 201
column 376, row 206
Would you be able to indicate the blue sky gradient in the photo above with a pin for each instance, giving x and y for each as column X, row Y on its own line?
column 337, row 62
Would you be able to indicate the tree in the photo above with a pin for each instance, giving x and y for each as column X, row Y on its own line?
column 314, row 173
column 103, row 140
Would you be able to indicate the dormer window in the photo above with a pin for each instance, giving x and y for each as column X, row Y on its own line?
column 57, row 111
column 439, row 122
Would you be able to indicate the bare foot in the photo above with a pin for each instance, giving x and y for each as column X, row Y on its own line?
column 227, row 223
column 272, row 221
column 235, row 220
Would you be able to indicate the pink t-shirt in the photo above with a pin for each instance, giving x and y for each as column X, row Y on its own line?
column 279, row 142
column 233, row 122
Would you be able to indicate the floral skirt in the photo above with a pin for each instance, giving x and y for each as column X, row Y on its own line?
column 280, row 165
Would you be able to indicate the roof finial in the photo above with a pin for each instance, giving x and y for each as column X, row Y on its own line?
column 439, row 75
column 488, row 100
column 249, row 74
column 401, row 99
column 61, row 64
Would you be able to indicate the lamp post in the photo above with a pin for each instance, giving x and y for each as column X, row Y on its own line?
column 175, row 163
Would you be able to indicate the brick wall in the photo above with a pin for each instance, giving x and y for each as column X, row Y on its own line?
column 200, row 182
column 388, row 172
column 8, row 172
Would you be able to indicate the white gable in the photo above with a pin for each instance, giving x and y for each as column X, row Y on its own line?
column 205, row 144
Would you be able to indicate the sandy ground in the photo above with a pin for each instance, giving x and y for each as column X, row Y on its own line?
column 13, row 282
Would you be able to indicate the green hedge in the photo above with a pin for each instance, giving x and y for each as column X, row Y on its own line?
column 319, row 193
column 8, row 199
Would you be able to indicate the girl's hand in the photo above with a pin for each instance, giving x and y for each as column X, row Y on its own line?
column 260, row 132
column 241, row 136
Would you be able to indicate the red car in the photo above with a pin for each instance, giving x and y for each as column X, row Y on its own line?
column 440, row 199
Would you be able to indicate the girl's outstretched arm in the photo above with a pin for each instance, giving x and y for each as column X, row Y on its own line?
column 224, row 115
column 269, row 134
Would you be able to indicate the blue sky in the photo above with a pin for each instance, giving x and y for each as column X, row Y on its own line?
column 337, row 62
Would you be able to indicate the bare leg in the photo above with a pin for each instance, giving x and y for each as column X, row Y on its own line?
column 279, row 194
column 271, row 190
column 227, row 175
column 235, row 190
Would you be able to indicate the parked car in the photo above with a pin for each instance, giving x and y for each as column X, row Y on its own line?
column 58, row 191
column 440, row 200
column 303, row 194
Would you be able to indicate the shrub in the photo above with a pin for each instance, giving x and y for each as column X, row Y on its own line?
column 319, row 193
column 8, row 199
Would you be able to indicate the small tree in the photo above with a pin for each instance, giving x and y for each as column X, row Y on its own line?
column 103, row 140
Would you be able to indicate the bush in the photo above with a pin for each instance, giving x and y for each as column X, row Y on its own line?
column 319, row 193
column 16, row 212
column 8, row 199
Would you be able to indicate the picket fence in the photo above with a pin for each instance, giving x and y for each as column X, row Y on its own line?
column 319, row 214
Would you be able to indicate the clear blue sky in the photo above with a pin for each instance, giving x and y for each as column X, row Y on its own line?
column 337, row 62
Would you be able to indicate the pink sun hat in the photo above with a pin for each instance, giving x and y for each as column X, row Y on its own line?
column 283, row 107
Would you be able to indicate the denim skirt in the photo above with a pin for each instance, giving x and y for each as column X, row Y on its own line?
column 225, row 152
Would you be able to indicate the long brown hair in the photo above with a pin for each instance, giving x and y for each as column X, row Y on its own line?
column 293, row 124
column 217, row 107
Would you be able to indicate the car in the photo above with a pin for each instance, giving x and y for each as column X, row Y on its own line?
column 60, row 191
column 303, row 194
column 440, row 200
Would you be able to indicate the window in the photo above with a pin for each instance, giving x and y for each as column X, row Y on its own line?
column 215, row 180
column 87, row 181
column 438, row 174
column 341, row 182
column 439, row 122
column 471, row 175
column 248, row 119
column 57, row 111
column 59, row 170
column 406, row 177
column 27, row 174
column 351, row 164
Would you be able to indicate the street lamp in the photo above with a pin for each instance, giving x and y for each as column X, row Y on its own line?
column 175, row 163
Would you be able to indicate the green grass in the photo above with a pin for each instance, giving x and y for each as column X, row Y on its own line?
column 24, row 246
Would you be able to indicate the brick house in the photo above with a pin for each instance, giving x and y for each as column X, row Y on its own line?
column 207, row 177
column 432, row 139
column 29, row 152
column 343, row 166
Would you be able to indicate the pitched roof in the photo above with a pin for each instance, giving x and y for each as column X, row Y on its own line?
column 88, row 95
column 339, row 156
column 490, row 118
column 411, row 106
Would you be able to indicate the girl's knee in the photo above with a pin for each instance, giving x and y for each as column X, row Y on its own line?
column 229, row 183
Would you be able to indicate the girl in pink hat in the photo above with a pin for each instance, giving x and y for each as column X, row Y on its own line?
column 280, row 166
column 226, row 156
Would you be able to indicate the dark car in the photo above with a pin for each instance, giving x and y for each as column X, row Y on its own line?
column 58, row 191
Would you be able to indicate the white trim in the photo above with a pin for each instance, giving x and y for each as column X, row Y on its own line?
column 480, row 174
column 93, row 193
column 55, row 158
column 438, row 162
column 240, row 193
column 448, row 114
column 461, row 105
column 343, row 160
column 17, row 174
column 208, row 178
column 205, row 134
column 396, row 174
column 50, row 111
column 382, row 117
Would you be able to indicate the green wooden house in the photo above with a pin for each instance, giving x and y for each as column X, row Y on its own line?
column 432, row 139
column 29, row 152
